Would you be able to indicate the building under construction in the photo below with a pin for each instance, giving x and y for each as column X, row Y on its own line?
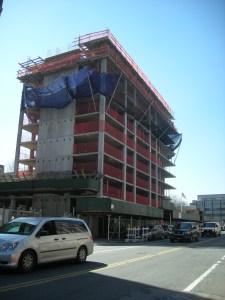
column 95, row 138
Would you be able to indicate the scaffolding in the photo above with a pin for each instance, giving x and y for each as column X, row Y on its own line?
column 34, row 69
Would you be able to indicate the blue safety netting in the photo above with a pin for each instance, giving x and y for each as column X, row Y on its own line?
column 64, row 89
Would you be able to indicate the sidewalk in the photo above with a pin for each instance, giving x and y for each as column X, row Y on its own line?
column 105, row 241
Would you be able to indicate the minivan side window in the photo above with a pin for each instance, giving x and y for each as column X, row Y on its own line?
column 66, row 227
column 48, row 228
column 78, row 226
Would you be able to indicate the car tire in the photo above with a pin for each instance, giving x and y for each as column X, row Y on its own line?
column 192, row 239
column 27, row 261
column 81, row 255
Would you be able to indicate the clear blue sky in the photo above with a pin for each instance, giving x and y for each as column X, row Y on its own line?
column 179, row 45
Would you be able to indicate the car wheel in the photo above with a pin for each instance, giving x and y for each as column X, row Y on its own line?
column 27, row 261
column 81, row 255
column 192, row 238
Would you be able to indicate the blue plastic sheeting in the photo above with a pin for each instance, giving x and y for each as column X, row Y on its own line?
column 53, row 95
column 79, row 84
column 104, row 83
column 64, row 89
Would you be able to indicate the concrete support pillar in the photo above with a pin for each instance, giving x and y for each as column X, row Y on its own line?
column 108, row 234
column 101, row 136
column 157, row 168
column 12, row 203
column 119, row 227
column 135, row 152
column 19, row 136
column 125, row 146
column 150, row 170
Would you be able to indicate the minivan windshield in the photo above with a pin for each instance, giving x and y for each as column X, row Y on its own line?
column 211, row 225
column 19, row 227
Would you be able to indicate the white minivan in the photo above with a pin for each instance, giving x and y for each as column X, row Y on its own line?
column 27, row 242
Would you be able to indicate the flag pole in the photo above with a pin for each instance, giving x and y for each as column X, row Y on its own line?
column 182, row 196
column 181, row 204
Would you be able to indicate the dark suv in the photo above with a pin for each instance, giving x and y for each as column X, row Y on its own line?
column 185, row 231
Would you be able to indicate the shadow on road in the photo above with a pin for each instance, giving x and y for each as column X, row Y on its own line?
column 60, row 281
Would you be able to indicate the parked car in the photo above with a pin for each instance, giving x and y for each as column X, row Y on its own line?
column 211, row 229
column 155, row 232
column 27, row 242
column 185, row 231
column 168, row 229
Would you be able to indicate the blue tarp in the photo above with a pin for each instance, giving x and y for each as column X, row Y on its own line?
column 64, row 89
column 177, row 139
column 53, row 95
column 104, row 83
column 79, row 84
column 84, row 83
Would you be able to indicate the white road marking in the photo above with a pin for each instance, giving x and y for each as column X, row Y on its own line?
column 203, row 276
column 116, row 249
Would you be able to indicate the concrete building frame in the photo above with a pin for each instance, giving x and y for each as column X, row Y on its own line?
column 100, row 155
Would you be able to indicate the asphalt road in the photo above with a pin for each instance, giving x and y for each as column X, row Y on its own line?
column 157, row 270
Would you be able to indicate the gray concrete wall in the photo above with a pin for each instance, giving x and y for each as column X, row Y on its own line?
column 52, row 205
column 55, row 138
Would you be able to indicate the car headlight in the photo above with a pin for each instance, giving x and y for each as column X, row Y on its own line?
column 8, row 246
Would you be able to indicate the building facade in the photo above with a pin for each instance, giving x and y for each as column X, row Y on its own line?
column 95, row 138
column 212, row 207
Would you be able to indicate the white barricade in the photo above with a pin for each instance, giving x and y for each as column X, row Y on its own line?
column 137, row 234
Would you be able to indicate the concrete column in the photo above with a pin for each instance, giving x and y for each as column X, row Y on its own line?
column 108, row 237
column 125, row 146
column 150, row 171
column 101, row 135
column 157, row 169
column 19, row 136
column 12, row 203
column 135, row 152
